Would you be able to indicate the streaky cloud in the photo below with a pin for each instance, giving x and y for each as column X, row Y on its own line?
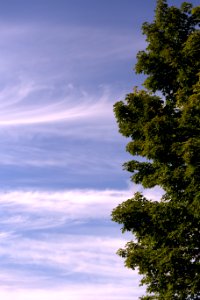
column 40, row 254
column 74, row 204
column 87, row 291
column 21, row 111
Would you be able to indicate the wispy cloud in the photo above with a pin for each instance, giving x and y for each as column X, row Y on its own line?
column 43, row 41
column 73, row 204
column 76, row 292
column 58, row 84
column 62, row 207
column 31, row 116
column 45, row 261
column 43, row 71
column 69, row 255
column 16, row 107
column 43, row 68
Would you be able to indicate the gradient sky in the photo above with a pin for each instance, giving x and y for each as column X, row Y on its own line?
column 63, row 64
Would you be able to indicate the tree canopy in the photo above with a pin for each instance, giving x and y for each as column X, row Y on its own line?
column 162, row 122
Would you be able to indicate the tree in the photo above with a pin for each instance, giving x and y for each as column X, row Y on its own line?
column 164, row 134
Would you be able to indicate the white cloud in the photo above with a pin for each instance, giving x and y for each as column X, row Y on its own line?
column 68, row 254
column 16, row 109
column 41, row 95
column 90, row 257
column 74, row 204
column 42, row 59
column 36, row 240
column 60, row 112
column 76, row 292
column 26, row 122
column 37, row 209
column 42, row 261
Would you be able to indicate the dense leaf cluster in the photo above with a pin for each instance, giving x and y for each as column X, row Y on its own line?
column 165, row 142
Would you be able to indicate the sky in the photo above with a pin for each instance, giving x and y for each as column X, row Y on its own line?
column 63, row 64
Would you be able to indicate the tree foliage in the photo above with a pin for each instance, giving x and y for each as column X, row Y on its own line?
column 164, row 134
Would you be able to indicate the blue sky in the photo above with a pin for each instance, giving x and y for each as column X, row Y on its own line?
column 63, row 64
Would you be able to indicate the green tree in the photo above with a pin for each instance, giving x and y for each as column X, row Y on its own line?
column 164, row 138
